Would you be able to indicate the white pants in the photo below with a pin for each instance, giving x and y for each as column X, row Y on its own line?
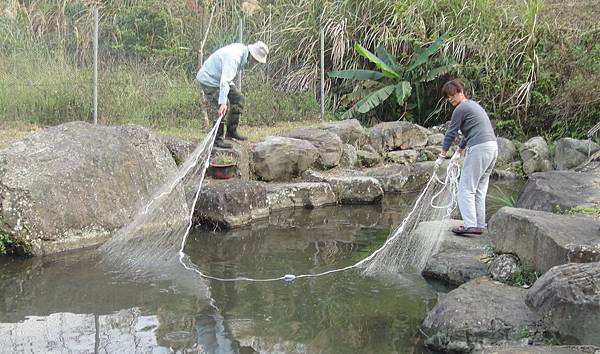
column 474, row 180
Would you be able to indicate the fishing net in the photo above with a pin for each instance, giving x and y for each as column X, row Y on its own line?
column 420, row 234
column 152, row 243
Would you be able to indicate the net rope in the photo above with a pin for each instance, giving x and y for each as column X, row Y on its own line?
column 153, row 242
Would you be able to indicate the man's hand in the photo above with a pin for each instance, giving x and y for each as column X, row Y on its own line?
column 222, row 110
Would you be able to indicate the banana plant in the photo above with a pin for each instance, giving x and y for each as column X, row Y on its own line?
column 391, row 78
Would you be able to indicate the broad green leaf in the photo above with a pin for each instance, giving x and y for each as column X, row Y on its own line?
column 374, row 99
column 381, row 65
column 424, row 56
column 387, row 58
column 435, row 73
column 369, row 102
column 403, row 91
column 356, row 74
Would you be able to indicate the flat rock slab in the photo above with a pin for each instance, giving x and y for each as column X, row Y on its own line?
column 231, row 203
column 553, row 190
column 299, row 195
column 396, row 178
column 479, row 314
column 542, row 349
column 568, row 298
column 545, row 239
column 351, row 189
column 459, row 258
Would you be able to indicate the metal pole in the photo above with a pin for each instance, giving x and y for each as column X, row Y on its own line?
column 322, row 74
column 95, row 68
column 241, row 39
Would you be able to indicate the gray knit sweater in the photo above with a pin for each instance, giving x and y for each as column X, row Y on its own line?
column 473, row 123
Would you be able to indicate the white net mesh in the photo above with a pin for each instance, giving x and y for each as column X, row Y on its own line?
column 408, row 249
column 152, row 243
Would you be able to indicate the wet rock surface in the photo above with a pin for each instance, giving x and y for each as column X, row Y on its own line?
column 545, row 239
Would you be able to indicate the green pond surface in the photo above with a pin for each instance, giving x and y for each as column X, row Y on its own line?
column 69, row 304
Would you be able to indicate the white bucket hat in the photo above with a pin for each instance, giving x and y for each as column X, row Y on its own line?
column 259, row 51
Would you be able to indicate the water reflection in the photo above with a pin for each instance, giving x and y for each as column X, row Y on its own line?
column 67, row 303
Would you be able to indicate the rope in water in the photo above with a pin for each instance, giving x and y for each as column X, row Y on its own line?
column 450, row 183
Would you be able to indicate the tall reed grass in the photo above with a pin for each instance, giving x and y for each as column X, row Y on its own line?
column 533, row 76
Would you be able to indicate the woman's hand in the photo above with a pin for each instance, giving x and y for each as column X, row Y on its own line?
column 222, row 110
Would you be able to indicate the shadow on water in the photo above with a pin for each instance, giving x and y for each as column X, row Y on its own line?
column 68, row 303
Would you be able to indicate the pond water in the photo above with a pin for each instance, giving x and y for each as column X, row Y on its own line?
column 67, row 303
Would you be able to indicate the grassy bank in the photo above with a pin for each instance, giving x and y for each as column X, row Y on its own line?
column 14, row 131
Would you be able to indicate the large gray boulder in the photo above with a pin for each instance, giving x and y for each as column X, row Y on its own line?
column 299, row 195
column 535, row 155
column 507, row 151
column 560, row 190
column 571, row 153
column 279, row 158
column 458, row 259
column 328, row 144
column 351, row 189
column 479, row 314
column 568, row 297
column 397, row 135
column 350, row 131
column 72, row 185
column 545, row 239
column 230, row 203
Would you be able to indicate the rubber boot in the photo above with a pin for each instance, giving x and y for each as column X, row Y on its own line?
column 219, row 138
column 232, row 124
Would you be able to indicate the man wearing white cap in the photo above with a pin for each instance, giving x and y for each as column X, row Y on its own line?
column 216, row 79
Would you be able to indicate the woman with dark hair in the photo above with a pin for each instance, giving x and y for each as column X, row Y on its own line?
column 480, row 143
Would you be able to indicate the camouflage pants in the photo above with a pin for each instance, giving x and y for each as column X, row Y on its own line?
column 236, row 104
